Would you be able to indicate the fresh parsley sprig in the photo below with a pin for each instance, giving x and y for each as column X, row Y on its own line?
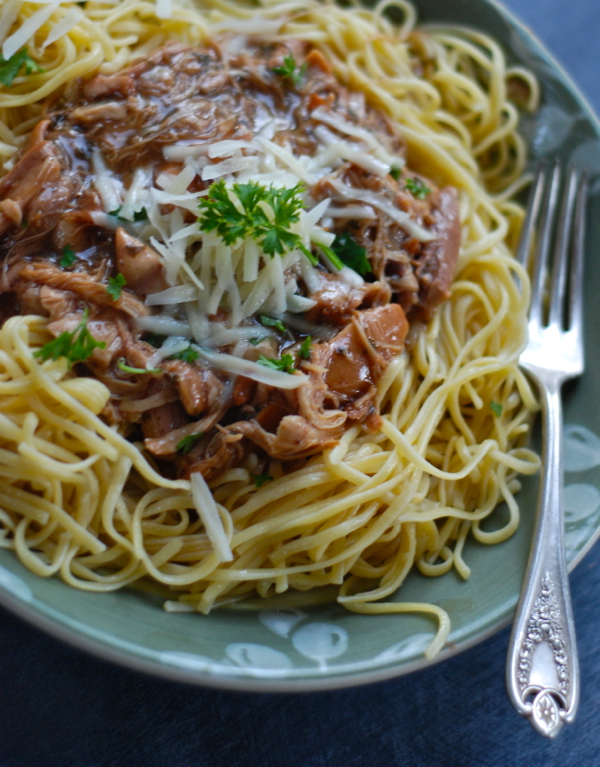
column 185, row 445
column 284, row 363
column 10, row 68
column 115, row 286
column 76, row 346
column 290, row 70
column 417, row 188
column 249, row 217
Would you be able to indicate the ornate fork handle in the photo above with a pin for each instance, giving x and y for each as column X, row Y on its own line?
column 542, row 669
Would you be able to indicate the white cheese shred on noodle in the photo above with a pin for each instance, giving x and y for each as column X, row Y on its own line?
column 27, row 30
column 79, row 499
column 209, row 514
column 65, row 25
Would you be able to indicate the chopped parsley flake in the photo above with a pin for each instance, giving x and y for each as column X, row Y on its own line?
column 115, row 286
column 417, row 188
column 257, row 340
column 185, row 355
column 260, row 479
column 288, row 69
column 273, row 323
column 272, row 233
column 68, row 257
column 395, row 173
column 187, row 443
column 10, row 68
column 122, row 365
column 496, row 408
column 76, row 346
column 154, row 339
column 304, row 350
column 285, row 363
column 351, row 253
column 139, row 215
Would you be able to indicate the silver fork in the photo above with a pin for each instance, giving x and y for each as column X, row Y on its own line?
column 542, row 672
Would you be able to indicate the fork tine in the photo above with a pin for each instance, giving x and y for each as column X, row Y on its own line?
column 576, row 275
column 540, row 267
column 562, row 250
column 531, row 216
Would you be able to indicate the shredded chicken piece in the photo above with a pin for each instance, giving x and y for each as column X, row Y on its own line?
column 49, row 207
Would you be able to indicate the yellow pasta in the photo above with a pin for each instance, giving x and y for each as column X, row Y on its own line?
column 77, row 499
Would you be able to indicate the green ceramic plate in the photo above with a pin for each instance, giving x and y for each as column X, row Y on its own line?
column 286, row 646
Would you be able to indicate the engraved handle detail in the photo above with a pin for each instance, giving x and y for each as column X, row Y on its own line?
column 542, row 670
column 545, row 627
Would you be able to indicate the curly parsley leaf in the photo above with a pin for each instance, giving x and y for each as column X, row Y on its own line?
column 187, row 443
column 496, row 408
column 10, row 68
column 260, row 479
column 76, row 346
column 247, row 217
column 122, row 365
column 220, row 214
column 286, row 205
column 185, row 355
column 273, row 323
column 417, row 188
column 68, row 257
column 115, row 286
column 351, row 253
column 288, row 69
column 285, row 363
column 304, row 350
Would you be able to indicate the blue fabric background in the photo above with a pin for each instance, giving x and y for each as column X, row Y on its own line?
column 62, row 708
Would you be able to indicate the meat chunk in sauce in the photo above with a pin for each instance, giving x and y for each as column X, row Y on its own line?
column 49, row 204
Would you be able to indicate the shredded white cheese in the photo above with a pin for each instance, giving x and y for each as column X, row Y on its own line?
column 380, row 201
column 27, row 30
column 179, row 294
column 164, row 9
column 253, row 370
column 163, row 325
column 209, row 514
column 64, row 26
column 107, row 186
column 9, row 15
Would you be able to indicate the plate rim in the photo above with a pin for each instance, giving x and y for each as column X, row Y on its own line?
column 102, row 650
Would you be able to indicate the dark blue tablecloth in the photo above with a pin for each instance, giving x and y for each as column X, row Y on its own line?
column 62, row 708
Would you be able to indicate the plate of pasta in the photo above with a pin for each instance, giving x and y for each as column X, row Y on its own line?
column 262, row 424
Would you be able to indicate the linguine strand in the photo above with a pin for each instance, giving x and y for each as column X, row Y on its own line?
column 77, row 498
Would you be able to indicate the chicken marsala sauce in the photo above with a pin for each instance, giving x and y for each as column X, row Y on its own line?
column 241, row 237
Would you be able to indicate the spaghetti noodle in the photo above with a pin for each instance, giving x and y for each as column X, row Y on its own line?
column 79, row 498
